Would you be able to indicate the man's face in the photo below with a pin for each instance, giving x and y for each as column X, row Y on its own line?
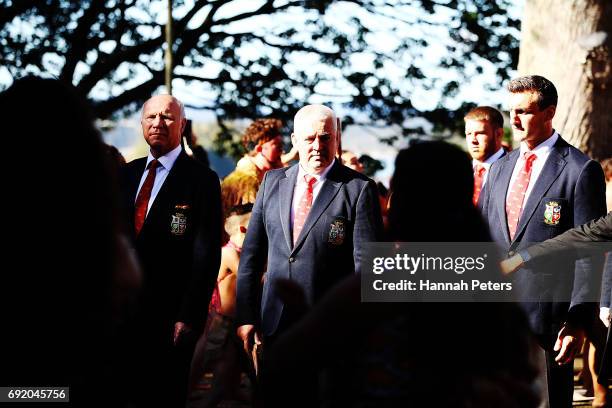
column 529, row 123
column 315, row 138
column 482, row 139
column 162, row 124
column 272, row 150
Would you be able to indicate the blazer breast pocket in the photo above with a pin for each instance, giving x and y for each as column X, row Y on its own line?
column 336, row 231
column 554, row 212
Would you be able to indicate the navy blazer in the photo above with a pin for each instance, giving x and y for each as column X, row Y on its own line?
column 573, row 183
column 345, row 214
column 179, row 245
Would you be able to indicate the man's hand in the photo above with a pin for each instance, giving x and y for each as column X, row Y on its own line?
column 511, row 264
column 569, row 342
column 249, row 337
column 179, row 329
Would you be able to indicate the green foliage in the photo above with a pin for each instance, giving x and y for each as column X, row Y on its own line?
column 265, row 60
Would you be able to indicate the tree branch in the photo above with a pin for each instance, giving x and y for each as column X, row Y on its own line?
column 138, row 94
column 77, row 41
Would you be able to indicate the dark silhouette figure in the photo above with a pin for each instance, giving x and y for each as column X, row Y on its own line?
column 63, row 275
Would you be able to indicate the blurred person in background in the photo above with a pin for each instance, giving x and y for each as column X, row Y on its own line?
column 484, row 130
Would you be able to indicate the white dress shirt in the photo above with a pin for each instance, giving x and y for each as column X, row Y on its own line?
column 300, row 186
column 487, row 164
column 542, row 151
column 165, row 165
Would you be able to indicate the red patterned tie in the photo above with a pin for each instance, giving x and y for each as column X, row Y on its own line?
column 303, row 207
column 479, row 171
column 142, row 201
column 514, row 204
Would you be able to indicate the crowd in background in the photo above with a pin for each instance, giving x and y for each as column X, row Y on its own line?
column 154, row 283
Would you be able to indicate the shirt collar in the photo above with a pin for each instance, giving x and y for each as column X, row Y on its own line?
column 319, row 177
column 492, row 159
column 542, row 148
column 167, row 160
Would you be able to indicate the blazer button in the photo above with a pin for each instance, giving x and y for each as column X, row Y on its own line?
column 291, row 260
column 511, row 253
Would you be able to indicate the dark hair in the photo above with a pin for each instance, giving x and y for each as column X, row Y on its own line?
column 431, row 196
column 547, row 93
column 488, row 114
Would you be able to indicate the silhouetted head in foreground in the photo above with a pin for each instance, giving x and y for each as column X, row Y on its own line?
column 431, row 196
column 60, row 238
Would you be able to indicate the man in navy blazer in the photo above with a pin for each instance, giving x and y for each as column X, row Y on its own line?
column 315, row 252
column 484, row 130
column 535, row 193
column 176, row 230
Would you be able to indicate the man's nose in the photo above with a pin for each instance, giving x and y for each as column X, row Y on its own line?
column 316, row 143
column 157, row 121
column 514, row 118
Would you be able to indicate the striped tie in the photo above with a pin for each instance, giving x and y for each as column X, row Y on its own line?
column 142, row 201
column 514, row 204
column 303, row 207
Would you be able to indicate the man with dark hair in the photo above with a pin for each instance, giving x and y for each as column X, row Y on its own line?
column 484, row 129
column 535, row 193
column 174, row 215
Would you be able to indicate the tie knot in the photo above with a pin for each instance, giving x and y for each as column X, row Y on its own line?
column 153, row 164
column 529, row 157
column 479, row 169
column 310, row 180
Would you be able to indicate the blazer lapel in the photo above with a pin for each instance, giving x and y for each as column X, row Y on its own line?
column 503, row 186
column 329, row 189
column 286, row 186
column 550, row 172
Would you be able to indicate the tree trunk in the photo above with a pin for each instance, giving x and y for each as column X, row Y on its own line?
column 570, row 43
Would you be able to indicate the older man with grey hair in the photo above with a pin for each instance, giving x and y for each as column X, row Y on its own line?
column 307, row 226
column 174, row 216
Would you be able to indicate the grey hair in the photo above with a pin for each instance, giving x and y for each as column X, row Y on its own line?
column 546, row 91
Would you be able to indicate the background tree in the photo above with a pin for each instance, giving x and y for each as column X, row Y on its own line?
column 250, row 58
column 570, row 43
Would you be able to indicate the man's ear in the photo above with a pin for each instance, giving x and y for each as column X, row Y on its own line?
column 499, row 134
column 550, row 112
column 183, row 124
column 293, row 140
column 499, row 137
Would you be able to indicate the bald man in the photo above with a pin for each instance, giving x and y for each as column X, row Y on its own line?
column 174, row 216
column 307, row 225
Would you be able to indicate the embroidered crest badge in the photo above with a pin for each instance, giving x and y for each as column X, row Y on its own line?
column 552, row 213
column 337, row 233
column 178, row 224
